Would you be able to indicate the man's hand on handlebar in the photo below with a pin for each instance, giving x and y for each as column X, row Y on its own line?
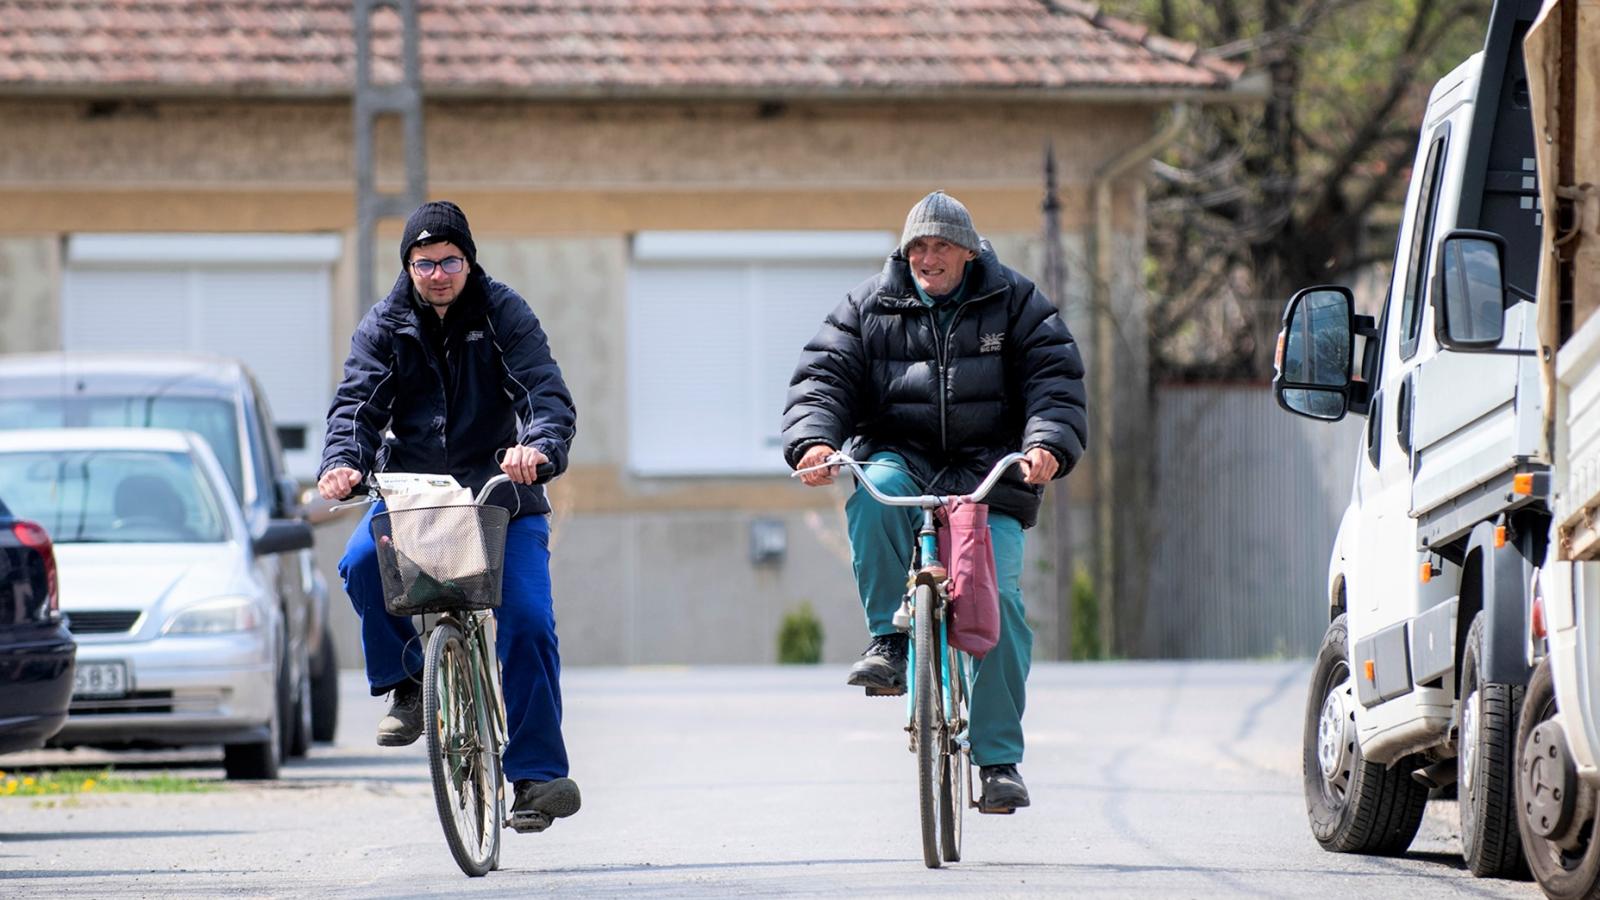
column 338, row 482
column 816, row 455
column 1041, row 466
column 522, row 464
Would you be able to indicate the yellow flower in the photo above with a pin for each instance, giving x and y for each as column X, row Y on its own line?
column 27, row 781
column 88, row 784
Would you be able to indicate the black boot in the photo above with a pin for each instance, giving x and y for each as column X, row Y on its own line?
column 882, row 667
column 538, row 803
column 1003, row 790
column 403, row 724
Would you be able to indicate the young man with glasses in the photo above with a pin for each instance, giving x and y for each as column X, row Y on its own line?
column 445, row 373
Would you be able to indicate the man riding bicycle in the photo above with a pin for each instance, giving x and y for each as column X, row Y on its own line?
column 455, row 367
column 940, row 365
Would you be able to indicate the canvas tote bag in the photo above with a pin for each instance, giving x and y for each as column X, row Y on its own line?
column 968, row 554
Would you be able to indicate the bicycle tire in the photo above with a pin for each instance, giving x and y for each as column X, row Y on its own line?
column 927, row 722
column 461, row 755
column 955, row 764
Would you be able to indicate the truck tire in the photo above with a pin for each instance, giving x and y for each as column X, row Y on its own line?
column 325, row 691
column 1556, row 810
column 1354, row 806
column 1486, row 764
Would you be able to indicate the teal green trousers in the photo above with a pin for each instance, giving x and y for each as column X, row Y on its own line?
column 881, row 542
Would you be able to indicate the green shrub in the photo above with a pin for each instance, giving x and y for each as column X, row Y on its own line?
column 1085, row 612
column 800, row 636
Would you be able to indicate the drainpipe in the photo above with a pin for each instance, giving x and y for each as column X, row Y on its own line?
column 1103, row 415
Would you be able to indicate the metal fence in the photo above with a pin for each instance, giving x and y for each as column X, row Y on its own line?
column 1246, row 503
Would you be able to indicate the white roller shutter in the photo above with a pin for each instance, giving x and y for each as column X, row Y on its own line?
column 263, row 299
column 716, row 324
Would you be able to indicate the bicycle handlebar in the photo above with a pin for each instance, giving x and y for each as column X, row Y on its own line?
column 373, row 493
column 922, row 501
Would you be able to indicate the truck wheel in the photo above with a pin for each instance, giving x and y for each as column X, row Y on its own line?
column 1485, row 765
column 1556, row 817
column 1354, row 806
column 325, row 691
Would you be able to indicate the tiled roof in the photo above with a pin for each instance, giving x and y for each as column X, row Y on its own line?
column 601, row 48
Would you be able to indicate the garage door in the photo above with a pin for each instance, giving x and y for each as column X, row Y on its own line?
column 263, row 299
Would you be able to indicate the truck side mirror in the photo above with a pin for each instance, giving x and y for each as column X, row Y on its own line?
column 1469, row 300
column 1315, row 351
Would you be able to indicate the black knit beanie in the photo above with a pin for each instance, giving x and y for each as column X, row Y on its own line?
column 438, row 220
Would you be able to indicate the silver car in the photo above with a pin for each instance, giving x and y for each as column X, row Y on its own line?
column 148, row 533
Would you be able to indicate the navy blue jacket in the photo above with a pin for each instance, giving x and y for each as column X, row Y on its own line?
column 452, row 392
column 882, row 371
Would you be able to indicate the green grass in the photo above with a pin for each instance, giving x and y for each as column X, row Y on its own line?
column 69, row 782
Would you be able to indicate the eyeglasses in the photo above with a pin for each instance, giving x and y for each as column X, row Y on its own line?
column 452, row 265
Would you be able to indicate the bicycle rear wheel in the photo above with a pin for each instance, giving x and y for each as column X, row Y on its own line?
column 461, row 752
column 927, row 722
column 955, row 763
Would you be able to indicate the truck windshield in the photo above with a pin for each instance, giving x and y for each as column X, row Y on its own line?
column 211, row 418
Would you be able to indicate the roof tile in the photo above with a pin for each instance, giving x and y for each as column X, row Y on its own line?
column 570, row 46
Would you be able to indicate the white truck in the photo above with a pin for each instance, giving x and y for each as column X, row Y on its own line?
column 1422, row 670
column 1558, row 737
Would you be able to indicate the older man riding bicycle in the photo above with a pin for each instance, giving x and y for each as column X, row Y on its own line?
column 942, row 364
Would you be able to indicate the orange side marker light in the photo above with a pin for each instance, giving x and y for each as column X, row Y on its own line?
column 1427, row 572
column 1369, row 671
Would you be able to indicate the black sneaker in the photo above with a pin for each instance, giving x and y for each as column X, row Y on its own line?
column 403, row 725
column 882, row 667
column 1003, row 790
column 539, row 803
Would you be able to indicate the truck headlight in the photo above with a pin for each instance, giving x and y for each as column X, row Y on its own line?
column 220, row 616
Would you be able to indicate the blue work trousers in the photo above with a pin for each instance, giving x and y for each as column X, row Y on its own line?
column 530, row 665
column 881, row 543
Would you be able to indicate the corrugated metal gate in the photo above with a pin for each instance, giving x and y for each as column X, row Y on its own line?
column 1247, row 503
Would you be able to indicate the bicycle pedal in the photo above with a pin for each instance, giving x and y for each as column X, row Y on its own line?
column 529, row 822
column 886, row 692
column 1002, row 811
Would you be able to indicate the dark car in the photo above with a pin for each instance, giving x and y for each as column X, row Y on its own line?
column 36, row 650
column 219, row 399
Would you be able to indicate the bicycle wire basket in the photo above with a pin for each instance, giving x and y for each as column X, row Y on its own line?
column 439, row 558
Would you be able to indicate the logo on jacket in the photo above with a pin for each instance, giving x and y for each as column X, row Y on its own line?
column 990, row 343
column 474, row 336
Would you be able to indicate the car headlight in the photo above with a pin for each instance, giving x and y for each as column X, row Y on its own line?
column 220, row 616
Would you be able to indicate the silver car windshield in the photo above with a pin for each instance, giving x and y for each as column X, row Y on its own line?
column 113, row 496
column 211, row 418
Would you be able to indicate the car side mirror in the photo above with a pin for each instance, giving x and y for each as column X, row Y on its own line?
column 283, row 536
column 1316, row 347
column 1469, row 298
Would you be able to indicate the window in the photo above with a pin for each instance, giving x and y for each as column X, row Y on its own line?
column 1417, row 257
column 716, row 321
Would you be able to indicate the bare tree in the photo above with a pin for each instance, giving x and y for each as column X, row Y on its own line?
column 1259, row 200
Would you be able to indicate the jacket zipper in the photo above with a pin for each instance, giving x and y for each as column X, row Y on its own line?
column 940, row 348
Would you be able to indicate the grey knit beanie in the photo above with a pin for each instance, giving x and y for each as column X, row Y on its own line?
column 940, row 215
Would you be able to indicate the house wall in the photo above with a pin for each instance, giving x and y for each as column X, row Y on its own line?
column 647, row 570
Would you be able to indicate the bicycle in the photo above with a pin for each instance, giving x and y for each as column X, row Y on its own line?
column 938, row 675
column 464, row 716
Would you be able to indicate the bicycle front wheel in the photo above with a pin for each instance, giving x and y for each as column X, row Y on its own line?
column 955, row 765
column 927, row 720
column 461, row 752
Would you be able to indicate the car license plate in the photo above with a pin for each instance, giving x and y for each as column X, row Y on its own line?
column 107, row 679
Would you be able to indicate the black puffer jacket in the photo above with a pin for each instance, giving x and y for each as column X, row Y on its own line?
column 452, row 392
column 1008, row 378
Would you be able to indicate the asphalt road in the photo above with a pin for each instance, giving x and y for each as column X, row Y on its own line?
column 1148, row 780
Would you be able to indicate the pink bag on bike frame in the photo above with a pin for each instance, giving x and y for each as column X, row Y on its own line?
column 968, row 555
